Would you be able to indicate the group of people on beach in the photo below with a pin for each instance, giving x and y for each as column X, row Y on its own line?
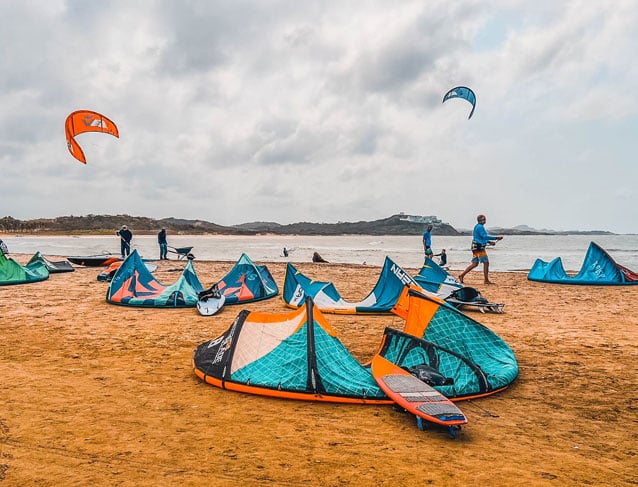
column 125, row 242
column 480, row 240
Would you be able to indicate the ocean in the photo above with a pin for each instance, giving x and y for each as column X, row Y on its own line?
column 513, row 253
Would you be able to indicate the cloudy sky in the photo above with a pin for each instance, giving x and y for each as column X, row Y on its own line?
column 324, row 111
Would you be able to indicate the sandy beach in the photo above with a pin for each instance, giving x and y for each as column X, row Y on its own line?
column 95, row 394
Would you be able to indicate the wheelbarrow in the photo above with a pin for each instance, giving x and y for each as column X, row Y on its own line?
column 182, row 252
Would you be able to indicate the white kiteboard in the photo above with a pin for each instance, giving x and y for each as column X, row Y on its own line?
column 209, row 306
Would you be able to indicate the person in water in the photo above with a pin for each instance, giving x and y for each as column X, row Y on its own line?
column 125, row 240
column 480, row 240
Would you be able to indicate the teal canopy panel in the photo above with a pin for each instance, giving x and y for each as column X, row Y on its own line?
column 598, row 269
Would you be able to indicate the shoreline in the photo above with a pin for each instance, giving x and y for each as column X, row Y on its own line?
column 23, row 258
column 512, row 254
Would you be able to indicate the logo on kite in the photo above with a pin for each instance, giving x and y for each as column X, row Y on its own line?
column 83, row 121
column 462, row 92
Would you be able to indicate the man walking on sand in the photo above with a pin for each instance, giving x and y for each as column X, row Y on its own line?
column 480, row 239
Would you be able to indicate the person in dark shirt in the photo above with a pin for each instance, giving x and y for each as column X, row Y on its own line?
column 163, row 244
column 443, row 257
column 125, row 240
column 3, row 247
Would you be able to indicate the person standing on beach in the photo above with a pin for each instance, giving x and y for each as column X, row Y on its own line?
column 3, row 247
column 163, row 244
column 480, row 239
column 125, row 240
column 427, row 242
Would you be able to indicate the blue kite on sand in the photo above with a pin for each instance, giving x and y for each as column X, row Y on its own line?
column 381, row 299
column 247, row 282
column 133, row 284
column 598, row 269
column 11, row 272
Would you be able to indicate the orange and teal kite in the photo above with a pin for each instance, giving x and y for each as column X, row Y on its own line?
column 83, row 121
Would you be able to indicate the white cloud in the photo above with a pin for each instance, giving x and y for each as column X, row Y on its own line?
column 322, row 111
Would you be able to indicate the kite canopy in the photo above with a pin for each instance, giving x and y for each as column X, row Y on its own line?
column 52, row 267
column 134, row 285
column 433, row 278
column 479, row 361
column 598, row 269
column 13, row 273
column 247, row 282
column 462, row 92
column 83, row 121
column 295, row 355
column 326, row 297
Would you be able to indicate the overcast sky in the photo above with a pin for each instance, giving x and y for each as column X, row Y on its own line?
column 324, row 111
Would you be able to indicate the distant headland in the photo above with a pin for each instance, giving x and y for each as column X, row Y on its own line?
column 400, row 224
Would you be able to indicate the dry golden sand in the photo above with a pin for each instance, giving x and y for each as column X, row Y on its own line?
column 92, row 393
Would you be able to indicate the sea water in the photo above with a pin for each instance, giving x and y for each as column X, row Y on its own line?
column 513, row 253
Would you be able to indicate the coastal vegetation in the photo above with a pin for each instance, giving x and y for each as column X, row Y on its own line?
column 399, row 224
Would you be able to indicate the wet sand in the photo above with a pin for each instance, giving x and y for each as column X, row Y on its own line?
column 92, row 393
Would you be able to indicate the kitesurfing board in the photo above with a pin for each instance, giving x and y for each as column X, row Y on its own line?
column 94, row 260
column 482, row 307
column 415, row 396
column 210, row 306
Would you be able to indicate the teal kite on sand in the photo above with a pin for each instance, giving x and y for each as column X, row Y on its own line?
column 478, row 360
column 598, row 269
column 298, row 355
column 297, row 287
column 13, row 273
column 247, row 282
column 134, row 285
column 294, row 355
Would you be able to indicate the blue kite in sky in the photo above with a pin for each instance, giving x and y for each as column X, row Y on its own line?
column 462, row 92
